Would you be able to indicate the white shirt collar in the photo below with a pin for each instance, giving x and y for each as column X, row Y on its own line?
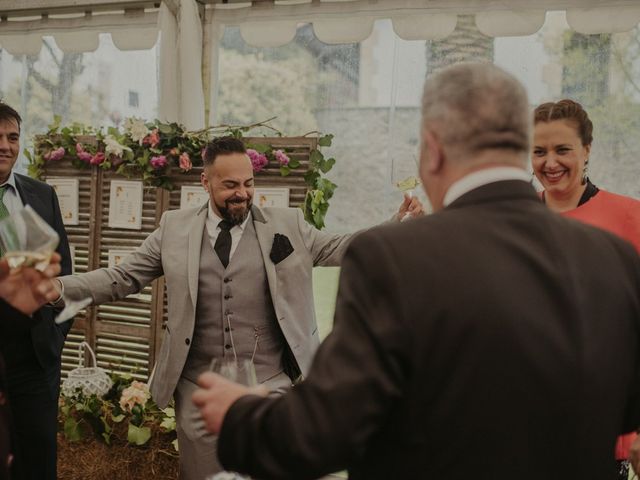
column 216, row 219
column 11, row 181
column 483, row 177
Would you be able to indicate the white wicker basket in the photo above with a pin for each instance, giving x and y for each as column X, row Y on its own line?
column 91, row 380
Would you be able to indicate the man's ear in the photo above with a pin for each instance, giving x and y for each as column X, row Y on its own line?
column 204, row 181
column 435, row 156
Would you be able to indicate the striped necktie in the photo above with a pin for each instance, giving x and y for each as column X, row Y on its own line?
column 4, row 212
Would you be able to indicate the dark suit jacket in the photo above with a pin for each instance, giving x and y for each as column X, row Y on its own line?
column 6, row 311
column 47, row 338
column 493, row 340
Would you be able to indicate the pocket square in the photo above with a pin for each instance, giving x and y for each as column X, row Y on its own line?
column 280, row 249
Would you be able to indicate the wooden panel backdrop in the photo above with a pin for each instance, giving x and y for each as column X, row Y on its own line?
column 126, row 334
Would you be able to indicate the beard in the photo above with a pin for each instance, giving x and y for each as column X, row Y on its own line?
column 235, row 209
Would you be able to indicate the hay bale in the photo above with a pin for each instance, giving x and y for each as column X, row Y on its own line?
column 92, row 459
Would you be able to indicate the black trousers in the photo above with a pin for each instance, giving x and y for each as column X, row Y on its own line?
column 33, row 402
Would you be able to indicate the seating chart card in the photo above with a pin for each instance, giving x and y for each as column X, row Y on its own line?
column 271, row 197
column 67, row 192
column 125, row 204
column 193, row 196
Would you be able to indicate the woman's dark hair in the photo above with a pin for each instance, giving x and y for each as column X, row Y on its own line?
column 222, row 146
column 566, row 110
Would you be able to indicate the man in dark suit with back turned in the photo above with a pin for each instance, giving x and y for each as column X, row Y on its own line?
column 32, row 350
column 490, row 340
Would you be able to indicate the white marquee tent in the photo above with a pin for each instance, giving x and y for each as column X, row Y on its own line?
column 190, row 29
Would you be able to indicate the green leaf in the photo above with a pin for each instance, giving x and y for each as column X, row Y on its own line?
column 327, row 165
column 117, row 418
column 293, row 163
column 325, row 141
column 53, row 127
column 138, row 435
column 165, row 129
column 72, row 430
column 168, row 424
column 261, row 148
column 316, row 158
column 285, row 170
column 175, row 445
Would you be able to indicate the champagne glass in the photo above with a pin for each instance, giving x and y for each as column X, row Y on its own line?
column 239, row 371
column 404, row 179
column 28, row 241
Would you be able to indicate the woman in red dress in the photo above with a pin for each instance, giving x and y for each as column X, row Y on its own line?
column 560, row 159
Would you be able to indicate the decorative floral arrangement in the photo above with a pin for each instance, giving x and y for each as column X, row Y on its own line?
column 128, row 403
column 154, row 150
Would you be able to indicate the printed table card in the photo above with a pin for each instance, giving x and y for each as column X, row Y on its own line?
column 125, row 204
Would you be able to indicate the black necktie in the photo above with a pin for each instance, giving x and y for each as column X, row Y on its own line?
column 223, row 242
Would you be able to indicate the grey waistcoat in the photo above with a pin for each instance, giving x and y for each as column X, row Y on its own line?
column 234, row 312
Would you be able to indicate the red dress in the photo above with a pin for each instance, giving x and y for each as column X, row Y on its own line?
column 619, row 215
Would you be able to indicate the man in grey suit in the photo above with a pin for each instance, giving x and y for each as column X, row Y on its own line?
column 477, row 342
column 238, row 285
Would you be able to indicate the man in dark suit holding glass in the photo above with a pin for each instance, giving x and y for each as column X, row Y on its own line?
column 477, row 342
column 32, row 350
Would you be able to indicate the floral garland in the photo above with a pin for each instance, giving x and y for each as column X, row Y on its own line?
column 127, row 402
column 153, row 149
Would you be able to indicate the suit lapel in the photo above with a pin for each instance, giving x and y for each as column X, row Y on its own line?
column 193, row 255
column 29, row 197
column 265, row 234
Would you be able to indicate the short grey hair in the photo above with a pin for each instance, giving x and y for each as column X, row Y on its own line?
column 477, row 106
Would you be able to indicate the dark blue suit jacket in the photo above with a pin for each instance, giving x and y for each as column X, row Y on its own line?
column 47, row 337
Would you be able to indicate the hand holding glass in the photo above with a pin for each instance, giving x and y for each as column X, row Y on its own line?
column 28, row 241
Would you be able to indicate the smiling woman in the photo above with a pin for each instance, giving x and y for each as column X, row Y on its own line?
column 561, row 147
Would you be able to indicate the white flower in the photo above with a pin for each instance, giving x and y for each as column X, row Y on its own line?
column 136, row 129
column 136, row 393
column 113, row 147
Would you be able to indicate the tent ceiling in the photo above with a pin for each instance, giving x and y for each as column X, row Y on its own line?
column 75, row 24
column 15, row 8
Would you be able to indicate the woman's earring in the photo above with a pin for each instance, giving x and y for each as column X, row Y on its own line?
column 585, row 172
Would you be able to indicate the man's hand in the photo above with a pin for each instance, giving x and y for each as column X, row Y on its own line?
column 410, row 207
column 634, row 455
column 27, row 289
column 215, row 397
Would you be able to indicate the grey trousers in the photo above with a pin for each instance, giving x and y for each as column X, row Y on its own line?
column 197, row 447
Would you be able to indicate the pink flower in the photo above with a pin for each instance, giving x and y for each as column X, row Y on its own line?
column 185, row 162
column 159, row 162
column 258, row 160
column 97, row 159
column 82, row 155
column 174, row 151
column 281, row 157
column 153, row 139
column 54, row 155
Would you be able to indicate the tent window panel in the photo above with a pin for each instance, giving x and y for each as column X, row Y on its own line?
column 368, row 95
column 93, row 88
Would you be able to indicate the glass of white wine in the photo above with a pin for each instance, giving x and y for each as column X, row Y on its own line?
column 28, row 241
column 403, row 177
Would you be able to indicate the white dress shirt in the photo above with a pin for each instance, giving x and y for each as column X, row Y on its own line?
column 213, row 229
column 11, row 198
column 483, row 177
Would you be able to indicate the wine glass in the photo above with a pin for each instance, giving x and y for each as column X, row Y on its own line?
column 403, row 177
column 28, row 241
column 239, row 371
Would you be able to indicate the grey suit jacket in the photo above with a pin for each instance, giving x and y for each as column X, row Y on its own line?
column 173, row 250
